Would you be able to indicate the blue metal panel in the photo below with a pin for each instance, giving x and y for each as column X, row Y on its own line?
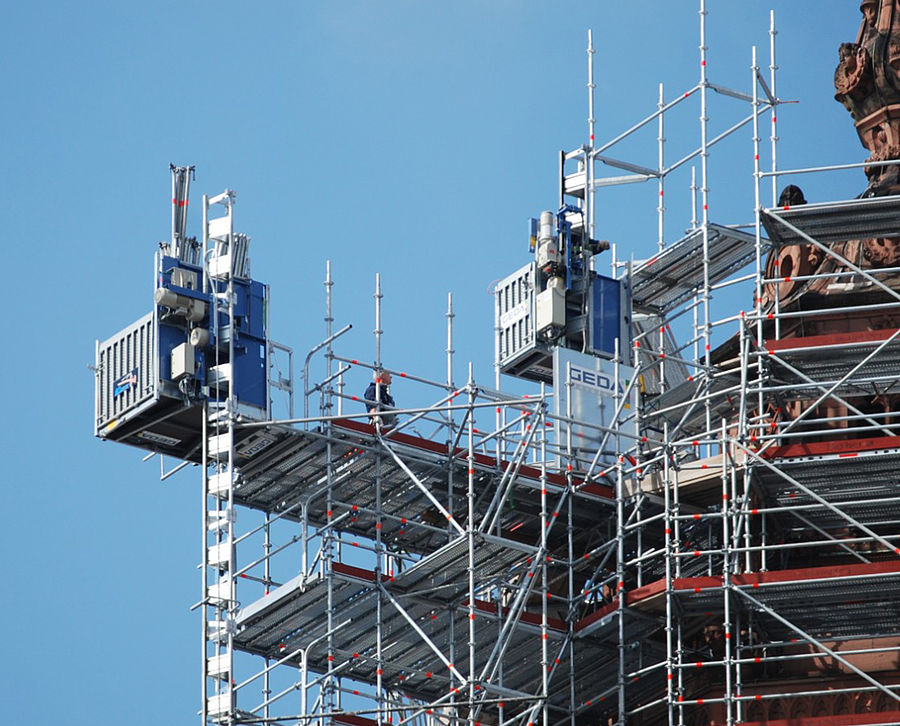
column 607, row 312
column 250, row 373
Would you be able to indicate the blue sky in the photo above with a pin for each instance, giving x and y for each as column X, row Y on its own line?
column 414, row 138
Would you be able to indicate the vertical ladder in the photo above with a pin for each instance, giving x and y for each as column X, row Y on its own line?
column 219, row 596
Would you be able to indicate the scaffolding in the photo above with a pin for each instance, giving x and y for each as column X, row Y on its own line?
column 728, row 555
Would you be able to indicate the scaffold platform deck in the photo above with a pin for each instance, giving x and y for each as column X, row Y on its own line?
column 292, row 618
column 674, row 275
column 815, row 362
column 834, row 221
column 862, row 483
column 837, row 601
column 293, row 468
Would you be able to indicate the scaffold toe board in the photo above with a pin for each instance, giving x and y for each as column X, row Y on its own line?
column 834, row 221
column 672, row 276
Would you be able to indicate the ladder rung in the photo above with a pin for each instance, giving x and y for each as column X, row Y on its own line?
column 218, row 485
column 219, row 228
column 219, row 666
column 220, row 591
column 217, row 520
column 218, row 554
column 218, row 705
column 219, row 444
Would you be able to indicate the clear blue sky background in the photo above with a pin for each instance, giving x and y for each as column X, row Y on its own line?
column 408, row 137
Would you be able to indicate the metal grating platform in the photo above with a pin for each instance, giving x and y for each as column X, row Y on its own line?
column 826, row 359
column 672, row 276
column 292, row 468
column 834, row 221
column 443, row 575
column 865, row 484
column 826, row 602
column 681, row 407
column 290, row 619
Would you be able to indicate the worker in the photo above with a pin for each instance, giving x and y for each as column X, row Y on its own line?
column 379, row 393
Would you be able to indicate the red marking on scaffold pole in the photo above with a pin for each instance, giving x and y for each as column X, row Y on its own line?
column 668, row 530
column 696, row 553
column 847, row 456
column 354, row 508
column 697, row 590
column 378, row 672
column 669, row 677
column 699, row 664
column 428, row 674
column 353, row 398
column 330, row 657
column 757, row 659
column 355, row 693
column 182, row 203
column 356, row 655
column 471, row 471
column 377, row 525
column 696, row 516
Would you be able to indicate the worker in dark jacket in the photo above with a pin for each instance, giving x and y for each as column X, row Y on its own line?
column 379, row 393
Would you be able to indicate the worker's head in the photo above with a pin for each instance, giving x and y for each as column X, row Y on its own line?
column 383, row 377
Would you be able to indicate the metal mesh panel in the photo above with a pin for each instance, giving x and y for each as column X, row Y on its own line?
column 125, row 375
column 514, row 296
